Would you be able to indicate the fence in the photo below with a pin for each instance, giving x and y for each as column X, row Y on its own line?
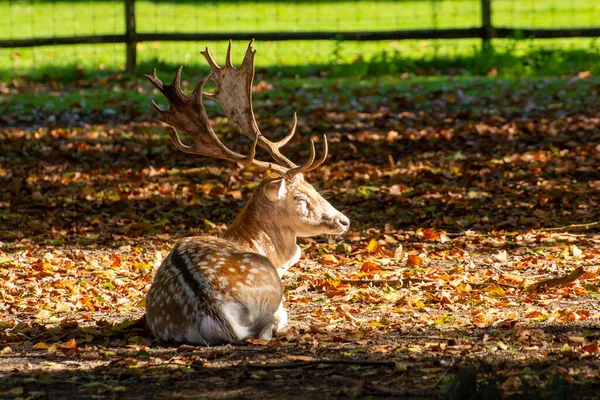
column 476, row 23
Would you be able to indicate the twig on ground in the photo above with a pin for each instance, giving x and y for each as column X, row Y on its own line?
column 485, row 284
column 301, row 364
column 572, row 226
column 443, row 375
column 495, row 233
column 403, row 281
column 217, row 352
column 498, row 269
column 397, row 392
column 560, row 281
column 546, row 283
column 406, row 281
column 166, row 364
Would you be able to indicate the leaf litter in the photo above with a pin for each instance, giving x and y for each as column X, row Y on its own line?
column 471, row 266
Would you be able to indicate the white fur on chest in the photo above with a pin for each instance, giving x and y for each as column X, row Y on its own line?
column 293, row 260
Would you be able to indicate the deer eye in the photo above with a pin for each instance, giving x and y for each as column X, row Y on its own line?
column 300, row 199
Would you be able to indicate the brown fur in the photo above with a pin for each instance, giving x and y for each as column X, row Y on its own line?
column 233, row 282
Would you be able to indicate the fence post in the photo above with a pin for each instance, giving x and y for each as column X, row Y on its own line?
column 487, row 30
column 130, row 36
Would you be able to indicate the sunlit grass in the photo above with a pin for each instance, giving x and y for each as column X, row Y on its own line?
column 51, row 18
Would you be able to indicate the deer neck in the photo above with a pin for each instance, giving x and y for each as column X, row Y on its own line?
column 265, row 232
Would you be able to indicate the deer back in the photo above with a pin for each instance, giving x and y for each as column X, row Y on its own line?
column 210, row 290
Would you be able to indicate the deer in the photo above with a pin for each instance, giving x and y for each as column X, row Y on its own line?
column 213, row 290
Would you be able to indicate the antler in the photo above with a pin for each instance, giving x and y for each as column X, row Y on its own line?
column 187, row 113
column 234, row 94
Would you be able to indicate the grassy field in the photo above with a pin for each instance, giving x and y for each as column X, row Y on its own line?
column 48, row 19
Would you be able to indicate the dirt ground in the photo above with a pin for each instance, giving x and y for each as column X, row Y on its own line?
column 463, row 210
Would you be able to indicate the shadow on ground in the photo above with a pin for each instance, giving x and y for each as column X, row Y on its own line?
column 111, row 360
column 449, row 168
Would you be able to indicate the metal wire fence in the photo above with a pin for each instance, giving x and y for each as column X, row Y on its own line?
column 124, row 33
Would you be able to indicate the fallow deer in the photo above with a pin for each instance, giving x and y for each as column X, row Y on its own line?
column 212, row 290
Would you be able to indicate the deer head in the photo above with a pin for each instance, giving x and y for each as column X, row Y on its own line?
column 298, row 205
column 284, row 206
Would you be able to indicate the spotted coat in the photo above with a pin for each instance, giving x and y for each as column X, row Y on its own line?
column 210, row 291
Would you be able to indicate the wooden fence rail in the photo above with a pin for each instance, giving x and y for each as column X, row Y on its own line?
column 486, row 32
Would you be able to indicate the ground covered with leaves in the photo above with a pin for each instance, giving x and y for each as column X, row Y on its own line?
column 467, row 198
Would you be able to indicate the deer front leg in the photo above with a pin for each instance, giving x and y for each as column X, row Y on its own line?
column 281, row 318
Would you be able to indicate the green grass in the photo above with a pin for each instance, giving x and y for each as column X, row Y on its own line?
column 316, row 92
column 25, row 19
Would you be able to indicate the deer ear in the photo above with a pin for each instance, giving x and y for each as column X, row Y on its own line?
column 276, row 190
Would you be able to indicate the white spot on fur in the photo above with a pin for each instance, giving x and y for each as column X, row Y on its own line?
column 179, row 298
column 210, row 273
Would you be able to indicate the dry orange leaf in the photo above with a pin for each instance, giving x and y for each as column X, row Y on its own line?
column 533, row 314
column 414, row 260
column 116, row 260
column 431, row 234
column 70, row 345
column 369, row 268
column 590, row 348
